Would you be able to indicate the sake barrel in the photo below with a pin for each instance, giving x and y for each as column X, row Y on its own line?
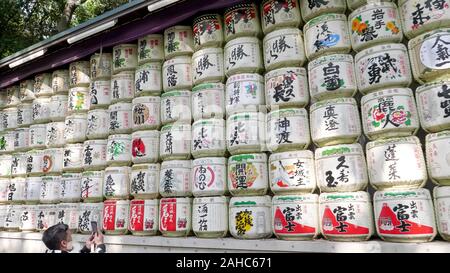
column 101, row 66
column 53, row 160
column 175, row 216
column 295, row 217
column 92, row 186
column 4, row 184
column 78, row 100
column 208, row 101
column 404, row 215
column 442, row 207
column 55, row 134
column 33, row 189
column 75, row 128
column 243, row 55
column 73, row 157
column 16, row 190
column 100, row 94
column 247, row 174
column 43, row 85
column 70, row 189
column 311, row 9
column 286, row 87
column 396, row 163
column 433, row 105
column 438, row 158
column 116, row 183
column 177, row 73
column 175, row 178
column 21, row 139
column 50, row 188
column 60, row 81
column 41, row 110
column 277, row 14
column 282, row 48
column 35, row 160
column 79, row 74
column 3, row 209
column 120, row 119
column 144, row 217
column 68, row 214
column 122, row 86
column 382, row 66
column 24, row 114
column 146, row 113
column 7, row 142
column 287, row 129
column 9, row 118
column 250, row 217
column 207, row 65
column 115, row 216
column 151, row 48
column 327, row 34
column 118, row 150
column 144, row 181
column 19, row 164
column 242, row 20
column 346, row 216
column 47, row 216
column 209, row 176
column 175, row 141
column 37, row 135
column 389, row 113
column 207, row 30
column 292, row 172
column 245, row 132
column 125, row 57
column 210, row 216
column 89, row 212
column 12, row 219
column 148, row 79
column 178, row 40
column 176, row 107
column 12, row 96
column 243, row 90
column 374, row 23
column 354, row 4
column 28, row 218
column 26, row 91
column 97, row 124
column 208, row 138
column 58, row 107
column 145, row 146
column 5, row 165
column 94, row 154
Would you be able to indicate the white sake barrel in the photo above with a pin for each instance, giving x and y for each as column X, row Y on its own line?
column 276, row 14
column 341, row 168
column 28, row 218
column 148, row 79
column 242, row 20
column 283, row 47
column 68, row 214
column 12, row 96
column 26, row 90
column 58, row 107
column 41, row 110
column 421, row 16
column 43, row 85
column 175, row 216
column 208, row 138
column 78, row 100
column 330, row 122
column 12, row 219
column 4, row 184
column 311, row 9
column 346, row 216
column 209, row 176
column 3, row 209
column 286, row 87
column 73, row 157
column 118, row 150
column 7, row 142
column 207, row 30
column 151, row 48
column 21, row 139
column 92, row 186
column 90, row 212
column 37, row 134
column 382, row 66
column 125, row 57
column 292, row 172
column 47, row 216
column 100, row 94
column 97, row 124
column 438, row 158
column 247, row 174
column 94, row 154
column 176, row 107
column 210, row 217
column 288, row 129
column 175, row 178
column 79, row 74
column 327, row 34
column 50, row 189
column 19, row 164
column 5, row 165
column 177, row 73
column 146, row 113
column 75, row 128
column 296, row 217
column 374, row 23
column 243, row 55
column 207, row 65
column 178, row 40
column 442, row 207
column 144, row 217
column 55, row 134
column 9, row 118
column 120, row 119
column 250, row 217
column 404, row 216
column 60, row 81
column 116, row 183
column 428, row 55
column 16, row 190
column 246, row 132
column 396, row 163
column 433, row 105
column 389, row 113
column 332, row 76
column 116, row 216
column 208, row 101
column 70, row 189
column 24, row 114
column 52, row 160
column 243, row 90
column 101, row 66
column 145, row 146
column 175, row 141
column 35, row 161
column 33, row 189
column 144, row 181
column 122, row 86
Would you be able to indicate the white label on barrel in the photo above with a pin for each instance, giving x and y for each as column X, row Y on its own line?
column 94, row 154
column 208, row 135
column 210, row 217
column 434, row 51
column 146, row 114
column 331, row 76
column 122, row 86
column 208, row 65
column 290, row 85
column 245, row 54
column 97, row 123
column 209, row 177
column 292, row 174
column 438, row 158
column 119, row 150
column 276, row 12
column 175, row 181
column 91, row 186
column 144, row 181
column 247, row 176
column 88, row 213
column 176, row 141
column 100, row 93
column 418, row 14
column 70, row 187
column 286, row 129
column 116, row 183
column 73, row 157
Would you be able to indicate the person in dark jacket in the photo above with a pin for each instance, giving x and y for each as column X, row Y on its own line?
column 58, row 239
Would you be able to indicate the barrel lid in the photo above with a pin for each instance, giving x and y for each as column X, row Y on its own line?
column 68, row 205
column 421, row 38
column 209, row 160
column 176, row 164
column 306, row 198
column 282, row 31
column 183, row 59
column 209, row 86
column 183, row 200
column 379, row 49
column 334, row 150
column 259, row 158
column 283, row 70
column 241, row 40
column 440, row 192
column 126, row 105
column 123, row 73
column 176, row 93
column 118, row 169
column 71, row 175
column 74, row 145
column 402, row 194
column 242, row 5
column 58, row 96
column 207, row 16
column 395, row 140
column 149, row 99
column 431, row 85
column 90, row 112
column 245, row 77
column 51, row 178
column 371, row 5
column 149, row 66
column 90, row 206
column 92, row 173
column 324, row 18
column 178, row 125
column 77, row 116
column 151, row 202
column 251, row 201
column 207, row 50
column 288, row 112
column 436, row 136
column 325, row 103
column 151, row 133
column 387, row 92
column 146, row 166
column 116, row 202
column 344, row 196
column 292, row 155
column 211, row 200
column 74, row 89
column 330, row 58
column 213, row 121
